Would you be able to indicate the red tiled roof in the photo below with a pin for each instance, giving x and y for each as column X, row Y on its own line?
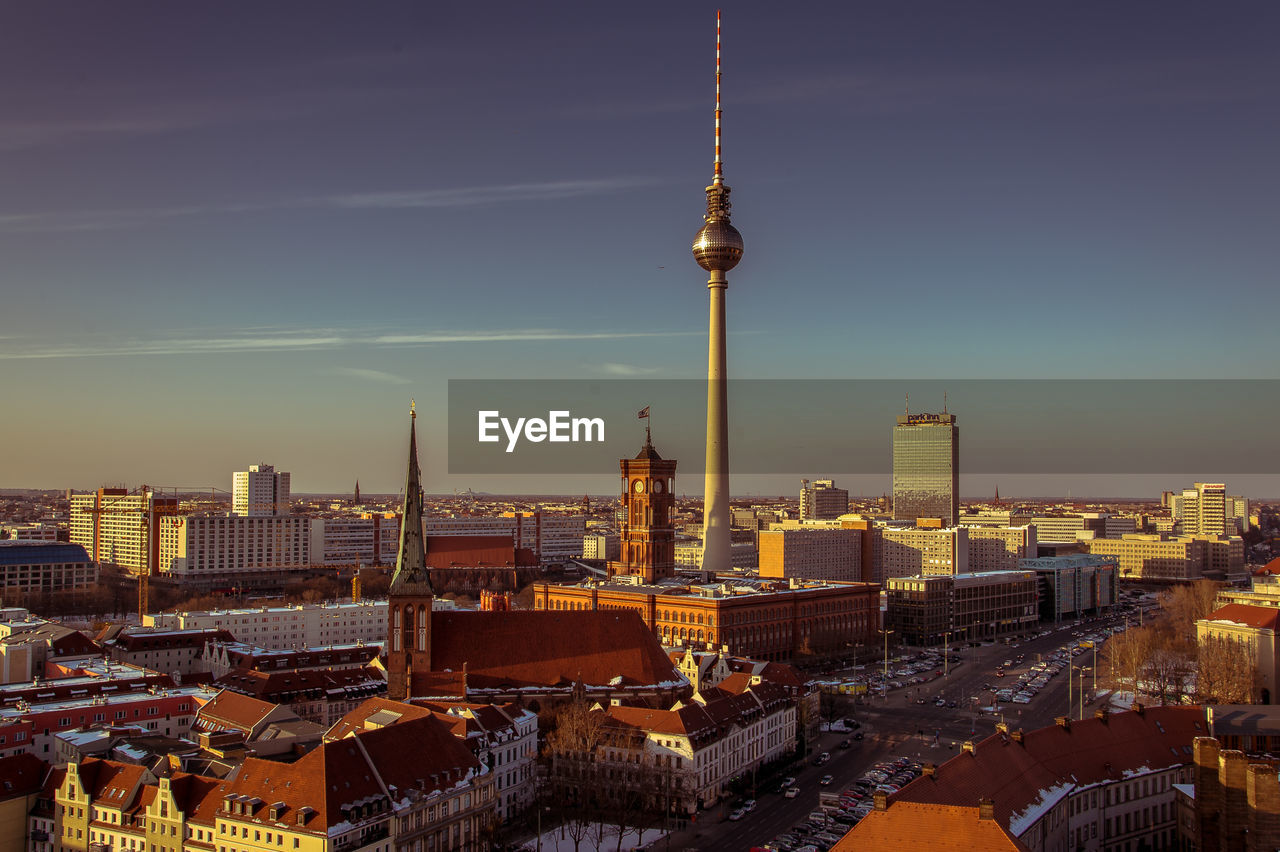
column 1091, row 751
column 283, row 686
column 1264, row 617
column 469, row 551
column 165, row 640
column 538, row 648
column 1272, row 567
column 355, row 720
column 231, row 709
column 354, row 769
column 912, row 826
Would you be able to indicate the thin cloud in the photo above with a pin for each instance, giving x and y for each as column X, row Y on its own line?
column 422, row 199
column 517, row 336
column 368, row 375
column 627, row 370
column 294, row 340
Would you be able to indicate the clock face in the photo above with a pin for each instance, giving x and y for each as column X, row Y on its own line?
column 657, row 486
column 639, row 486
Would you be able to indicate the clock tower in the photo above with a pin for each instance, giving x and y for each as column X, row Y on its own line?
column 648, row 499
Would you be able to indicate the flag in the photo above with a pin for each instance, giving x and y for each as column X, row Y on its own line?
column 644, row 413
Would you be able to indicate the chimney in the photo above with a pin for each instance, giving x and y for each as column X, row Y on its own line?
column 986, row 809
column 1264, row 806
column 1137, row 707
column 1063, row 722
column 928, row 770
column 1101, row 715
column 881, row 800
column 1016, row 736
column 1002, row 727
column 968, row 746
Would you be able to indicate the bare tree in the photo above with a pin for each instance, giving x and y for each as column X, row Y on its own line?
column 1227, row 672
column 1184, row 605
column 1127, row 656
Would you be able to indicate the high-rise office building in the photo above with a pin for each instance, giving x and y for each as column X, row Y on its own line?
column 260, row 490
column 122, row 528
column 1207, row 509
column 926, row 468
column 821, row 500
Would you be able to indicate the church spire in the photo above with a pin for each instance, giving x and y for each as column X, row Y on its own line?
column 411, row 561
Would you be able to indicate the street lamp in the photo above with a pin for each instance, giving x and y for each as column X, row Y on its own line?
column 884, row 687
column 946, row 637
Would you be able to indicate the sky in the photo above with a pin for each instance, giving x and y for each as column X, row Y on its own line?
column 243, row 232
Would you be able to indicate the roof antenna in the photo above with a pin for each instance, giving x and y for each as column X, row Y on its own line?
column 944, row 402
column 907, row 404
column 718, row 178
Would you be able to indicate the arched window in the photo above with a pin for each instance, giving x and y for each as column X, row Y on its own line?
column 422, row 627
column 395, row 629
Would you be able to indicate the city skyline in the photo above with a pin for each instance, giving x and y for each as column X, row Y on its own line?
column 211, row 263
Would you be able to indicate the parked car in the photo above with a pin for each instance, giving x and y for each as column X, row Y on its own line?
column 738, row 814
column 792, row 792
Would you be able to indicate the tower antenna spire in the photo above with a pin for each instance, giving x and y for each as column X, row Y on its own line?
column 718, row 174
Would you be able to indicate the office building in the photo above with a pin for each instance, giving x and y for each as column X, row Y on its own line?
column 821, row 500
column 926, row 468
column 213, row 551
column 369, row 539
column 551, row 538
column 929, row 610
column 1075, row 584
column 300, row 626
column 1000, row 548
column 908, row 551
column 1164, row 558
column 120, row 528
column 260, row 490
column 811, row 554
column 37, row 567
column 1207, row 509
column 743, row 555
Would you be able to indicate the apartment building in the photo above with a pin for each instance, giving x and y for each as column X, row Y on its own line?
column 811, row 554
column 299, row 626
column 213, row 550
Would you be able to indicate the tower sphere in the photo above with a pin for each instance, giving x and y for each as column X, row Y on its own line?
column 718, row 246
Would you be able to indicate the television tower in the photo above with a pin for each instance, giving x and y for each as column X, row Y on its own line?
column 717, row 248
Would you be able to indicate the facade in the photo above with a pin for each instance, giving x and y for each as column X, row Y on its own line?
column 174, row 652
column 369, row 539
column 1155, row 557
column 260, row 490
column 1103, row 784
column 213, row 550
column 552, row 538
column 1071, row 527
column 930, row 610
column 604, row 546
column 38, row 567
column 763, row 621
column 299, row 626
column 811, row 554
column 743, row 555
column 821, row 500
column 911, row 551
column 502, row 737
column 926, row 468
column 118, row 528
column 993, row 548
column 684, row 757
column 320, row 696
column 648, row 503
column 1073, row 585
column 336, row 798
column 1253, row 628
column 1206, row 509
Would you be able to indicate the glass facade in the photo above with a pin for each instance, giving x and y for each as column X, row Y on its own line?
column 926, row 468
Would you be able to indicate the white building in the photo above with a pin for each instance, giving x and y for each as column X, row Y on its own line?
column 912, row 551
column 370, row 539
column 602, row 546
column 821, row 500
column 1207, row 509
column 221, row 548
column 301, row 626
column 118, row 527
column 260, row 490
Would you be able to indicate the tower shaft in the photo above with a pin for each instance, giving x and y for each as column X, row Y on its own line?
column 716, row 553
